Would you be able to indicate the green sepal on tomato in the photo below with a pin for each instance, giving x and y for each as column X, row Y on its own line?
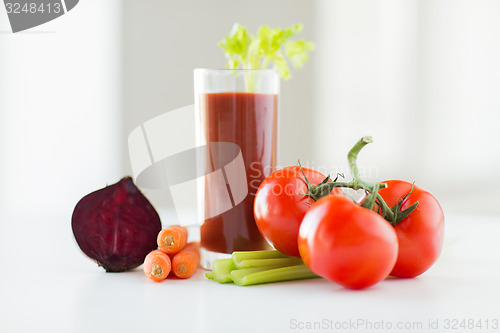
column 346, row 243
column 280, row 205
column 421, row 233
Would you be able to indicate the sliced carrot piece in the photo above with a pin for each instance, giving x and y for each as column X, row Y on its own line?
column 172, row 239
column 185, row 262
column 157, row 265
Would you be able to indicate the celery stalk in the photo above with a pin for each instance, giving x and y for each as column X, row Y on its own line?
column 254, row 267
column 239, row 256
column 238, row 274
column 221, row 270
column 276, row 262
column 251, row 276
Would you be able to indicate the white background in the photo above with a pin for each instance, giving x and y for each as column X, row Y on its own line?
column 421, row 77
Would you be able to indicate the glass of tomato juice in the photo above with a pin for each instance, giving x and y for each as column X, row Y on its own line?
column 236, row 119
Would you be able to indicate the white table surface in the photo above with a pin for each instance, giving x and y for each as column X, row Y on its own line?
column 48, row 285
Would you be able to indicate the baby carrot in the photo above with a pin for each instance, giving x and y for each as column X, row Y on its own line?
column 172, row 239
column 185, row 262
column 157, row 265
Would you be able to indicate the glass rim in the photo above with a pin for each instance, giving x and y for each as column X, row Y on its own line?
column 226, row 70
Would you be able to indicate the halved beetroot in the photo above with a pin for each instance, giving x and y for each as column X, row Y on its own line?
column 116, row 226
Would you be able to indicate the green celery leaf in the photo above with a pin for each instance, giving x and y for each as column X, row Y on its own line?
column 281, row 64
column 297, row 52
column 236, row 45
column 253, row 52
column 292, row 31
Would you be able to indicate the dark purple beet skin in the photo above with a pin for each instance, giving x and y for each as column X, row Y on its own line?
column 116, row 226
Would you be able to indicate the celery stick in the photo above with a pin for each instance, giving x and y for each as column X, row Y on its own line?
column 221, row 270
column 239, row 256
column 254, row 267
column 258, row 275
column 276, row 262
column 238, row 274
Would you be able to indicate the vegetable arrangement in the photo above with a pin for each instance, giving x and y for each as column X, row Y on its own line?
column 397, row 230
column 317, row 231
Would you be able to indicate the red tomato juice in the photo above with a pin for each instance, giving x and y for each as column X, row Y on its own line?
column 250, row 121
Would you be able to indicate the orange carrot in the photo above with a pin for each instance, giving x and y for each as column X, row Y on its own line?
column 185, row 262
column 172, row 239
column 157, row 265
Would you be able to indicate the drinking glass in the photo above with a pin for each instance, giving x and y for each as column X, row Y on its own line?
column 236, row 119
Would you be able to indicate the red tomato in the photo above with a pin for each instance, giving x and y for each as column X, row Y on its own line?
column 346, row 243
column 279, row 206
column 421, row 234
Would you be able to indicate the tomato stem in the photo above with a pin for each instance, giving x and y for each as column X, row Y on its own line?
column 387, row 212
column 394, row 215
column 352, row 156
column 370, row 200
column 357, row 183
column 316, row 192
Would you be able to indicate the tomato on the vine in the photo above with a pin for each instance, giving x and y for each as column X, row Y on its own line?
column 280, row 205
column 347, row 243
column 420, row 234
